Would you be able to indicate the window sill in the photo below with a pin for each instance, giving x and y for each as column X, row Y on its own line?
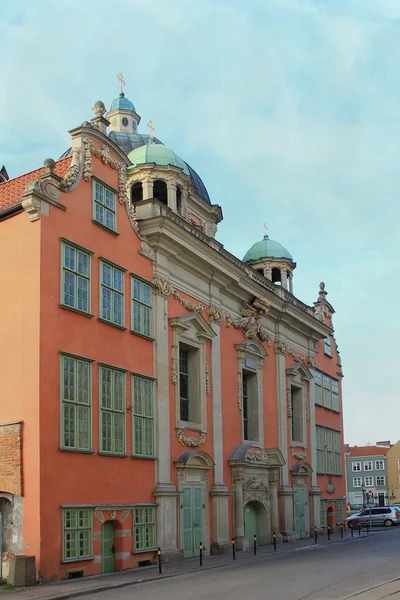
column 76, row 310
column 105, row 227
column 192, row 426
column 294, row 444
column 328, row 355
column 76, row 450
column 115, row 454
column 139, row 457
column 252, row 443
column 143, row 335
column 144, row 551
column 73, row 560
column 113, row 324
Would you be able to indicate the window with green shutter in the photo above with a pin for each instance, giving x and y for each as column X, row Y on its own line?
column 77, row 533
column 76, row 403
column 320, row 450
column 143, row 416
column 111, row 294
column 104, row 205
column 337, row 453
column 141, row 307
column 145, row 528
column 75, row 277
column 112, row 411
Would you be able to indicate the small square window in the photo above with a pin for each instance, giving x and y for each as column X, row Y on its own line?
column 104, row 205
column 356, row 466
column 369, row 481
column 380, row 481
column 327, row 346
column 368, row 465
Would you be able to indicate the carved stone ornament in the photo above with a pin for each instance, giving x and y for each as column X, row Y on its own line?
column 330, row 487
column 38, row 190
column 167, row 289
column 97, row 535
column 307, row 408
column 192, row 442
column 196, row 221
column 240, row 389
column 259, row 455
column 208, row 383
column 282, row 348
column 113, row 514
column 255, row 489
column 99, row 515
column 103, row 152
column 71, row 176
column 250, row 321
column 146, row 249
column 299, row 454
column 124, row 515
column 174, row 365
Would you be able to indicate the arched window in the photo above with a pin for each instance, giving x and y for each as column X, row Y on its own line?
column 276, row 275
column 137, row 192
column 179, row 200
column 160, row 191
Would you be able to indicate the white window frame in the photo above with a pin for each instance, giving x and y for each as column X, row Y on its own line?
column 107, row 209
column 369, row 481
column 327, row 346
column 77, row 275
column 380, row 465
column 356, row 466
column 103, row 262
column 143, row 306
column 383, row 484
column 357, row 482
column 251, row 356
column 368, row 465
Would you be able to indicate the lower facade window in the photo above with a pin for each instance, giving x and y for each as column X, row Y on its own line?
column 380, row 481
column 112, row 411
column 339, row 511
column 143, row 416
column 145, row 528
column 77, row 533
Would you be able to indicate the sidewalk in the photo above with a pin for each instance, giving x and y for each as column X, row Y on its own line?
column 387, row 590
column 89, row 585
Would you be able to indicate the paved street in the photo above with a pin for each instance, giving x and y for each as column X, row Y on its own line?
column 335, row 571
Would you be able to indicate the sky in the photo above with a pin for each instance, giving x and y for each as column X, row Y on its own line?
column 288, row 109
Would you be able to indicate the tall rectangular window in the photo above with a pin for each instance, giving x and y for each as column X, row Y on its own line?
column 104, row 205
column 250, row 406
column 145, row 528
column 356, row 466
column 320, row 450
column 141, row 307
column 327, row 346
column 184, row 383
column 327, row 392
column 335, row 395
column 143, row 416
column 297, row 414
column 111, row 293
column 380, row 481
column 379, row 465
column 337, row 453
column 357, row 481
column 76, row 403
column 318, row 388
column 75, row 283
column 339, row 511
column 329, row 450
column 189, row 384
column 77, row 533
column 112, row 411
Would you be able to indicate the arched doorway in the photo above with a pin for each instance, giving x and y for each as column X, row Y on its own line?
column 256, row 522
column 6, row 535
column 107, row 547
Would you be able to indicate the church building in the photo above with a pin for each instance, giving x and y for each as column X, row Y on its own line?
column 156, row 390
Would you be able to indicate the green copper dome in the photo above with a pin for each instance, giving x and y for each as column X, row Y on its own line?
column 266, row 248
column 157, row 154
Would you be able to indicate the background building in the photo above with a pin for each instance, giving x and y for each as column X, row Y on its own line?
column 172, row 393
column 367, row 475
column 393, row 472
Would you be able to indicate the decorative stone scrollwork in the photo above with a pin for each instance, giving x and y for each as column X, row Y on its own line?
column 240, row 390
column 307, row 408
column 259, row 455
column 208, row 383
column 289, row 401
column 99, row 515
column 71, row 175
column 174, row 365
column 113, row 514
column 124, row 515
column 256, row 490
column 147, row 250
column 282, row 348
column 330, row 486
column 103, row 153
column 166, row 289
column 250, row 321
column 192, row 442
column 299, row 454
column 217, row 314
column 97, row 535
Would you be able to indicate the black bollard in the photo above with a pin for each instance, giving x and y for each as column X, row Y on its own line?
column 359, row 528
column 367, row 527
column 315, row 535
column 329, row 533
column 255, row 544
column 233, row 549
column 201, row 554
column 352, row 532
column 274, row 541
column 159, row 560
column 341, row 531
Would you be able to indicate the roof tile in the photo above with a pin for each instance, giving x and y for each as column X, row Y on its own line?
column 367, row 451
column 11, row 190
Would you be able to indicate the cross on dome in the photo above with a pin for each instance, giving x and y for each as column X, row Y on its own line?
column 120, row 78
column 152, row 128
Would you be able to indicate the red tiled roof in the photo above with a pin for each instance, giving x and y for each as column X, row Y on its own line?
column 11, row 190
column 366, row 450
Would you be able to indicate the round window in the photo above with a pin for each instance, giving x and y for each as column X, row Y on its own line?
column 124, row 121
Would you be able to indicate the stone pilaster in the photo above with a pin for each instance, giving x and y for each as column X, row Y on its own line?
column 273, row 485
column 286, row 512
column 284, row 278
column 171, row 196
column 282, row 414
column 147, row 186
column 241, row 542
column 315, row 503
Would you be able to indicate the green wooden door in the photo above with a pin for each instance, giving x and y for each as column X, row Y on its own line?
column 250, row 523
column 107, row 547
column 192, row 519
column 300, row 511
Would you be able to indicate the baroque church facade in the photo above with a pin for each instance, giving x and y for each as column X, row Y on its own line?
column 172, row 393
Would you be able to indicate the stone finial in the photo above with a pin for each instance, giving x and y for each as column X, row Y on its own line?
column 49, row 164
column 322, row 293
column 99, row 109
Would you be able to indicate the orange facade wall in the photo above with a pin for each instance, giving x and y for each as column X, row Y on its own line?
column 19, row 356
column 68, row 477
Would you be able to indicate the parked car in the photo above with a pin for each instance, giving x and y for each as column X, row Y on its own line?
column 380, row 515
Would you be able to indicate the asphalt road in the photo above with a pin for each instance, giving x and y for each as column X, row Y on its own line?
column 330, row 572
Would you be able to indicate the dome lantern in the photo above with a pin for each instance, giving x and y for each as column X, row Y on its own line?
column 273, row 260
column 122, row 114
